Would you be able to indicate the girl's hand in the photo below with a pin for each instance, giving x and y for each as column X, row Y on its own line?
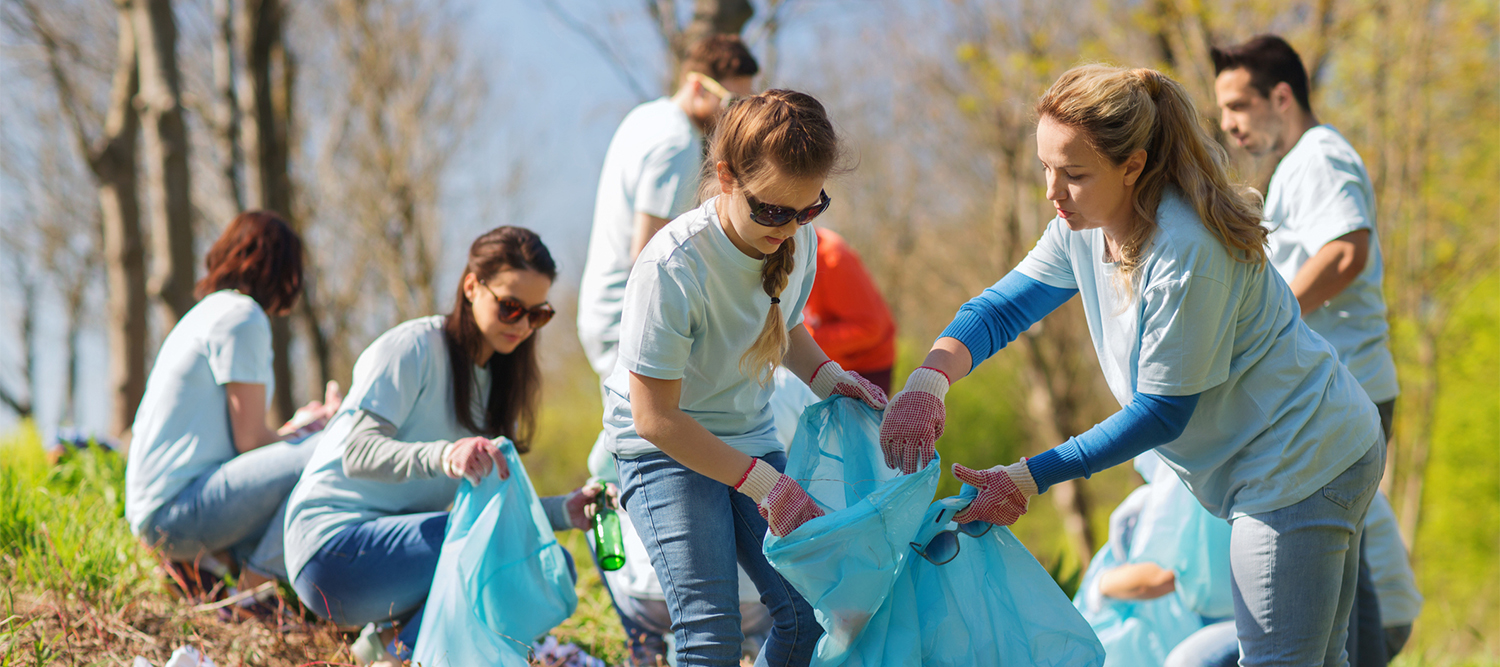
column 1004, row 493
column 830, row 379
column 311, row 418
column 914, row 421
column 581, row 502
column 781, row 501
column 472, row 458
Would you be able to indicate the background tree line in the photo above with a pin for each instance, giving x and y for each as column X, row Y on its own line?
column 138, row 127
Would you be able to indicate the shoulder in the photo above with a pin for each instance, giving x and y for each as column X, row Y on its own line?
column 1183, row 244
column 418, row 337
column 1321, row 154
column 831, row 246
column 680, row 243
column 661, row 124
column 231, row 311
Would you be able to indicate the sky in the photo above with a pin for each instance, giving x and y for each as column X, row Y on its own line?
column 556, row 103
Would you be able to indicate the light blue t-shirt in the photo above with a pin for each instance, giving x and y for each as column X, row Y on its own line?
column 1278, row 416
column 1319, row 192
column 652, row 167
column 404, row 378
column 693, row 306
column 182, row 427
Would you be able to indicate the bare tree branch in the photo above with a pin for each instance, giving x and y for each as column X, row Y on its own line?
column 601, row 45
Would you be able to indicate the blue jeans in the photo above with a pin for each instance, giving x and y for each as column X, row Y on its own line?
column 695, row 529
column 376, row 571
column 239, row 506
column 1294, row 571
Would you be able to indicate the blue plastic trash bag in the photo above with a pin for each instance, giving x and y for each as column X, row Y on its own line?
column 882, row 604
column 502, row 579
column 1161, row 523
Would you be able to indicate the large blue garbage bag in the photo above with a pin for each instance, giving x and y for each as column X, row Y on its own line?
column 882, row 604
column 502, row 579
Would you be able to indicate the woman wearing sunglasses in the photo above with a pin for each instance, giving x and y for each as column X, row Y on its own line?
column 1203, row 346
column 366, row 521
column 686, row 409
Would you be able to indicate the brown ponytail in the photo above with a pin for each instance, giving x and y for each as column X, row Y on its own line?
column 1125, row 110
column 788, row 134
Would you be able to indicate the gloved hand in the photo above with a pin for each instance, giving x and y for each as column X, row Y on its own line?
column 1004, row 493
column 781, row 501
column 832, row 379
column 914, row 421
column 472, row 458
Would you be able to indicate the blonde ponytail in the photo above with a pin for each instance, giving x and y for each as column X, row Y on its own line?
column 1125, row 110
column 759, row 362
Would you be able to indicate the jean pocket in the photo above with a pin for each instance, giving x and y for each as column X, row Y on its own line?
column 1359, row 480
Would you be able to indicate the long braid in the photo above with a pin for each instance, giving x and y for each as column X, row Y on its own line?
column 759, row 362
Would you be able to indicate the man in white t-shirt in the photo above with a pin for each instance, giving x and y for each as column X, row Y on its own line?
column 651, row 176
column 1320, row 209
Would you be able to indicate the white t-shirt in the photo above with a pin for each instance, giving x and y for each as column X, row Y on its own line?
column 652, row 167
column 1319, row 192
column 1278, row 416
column 694, row 304
column 182, row 428
column 404, row 378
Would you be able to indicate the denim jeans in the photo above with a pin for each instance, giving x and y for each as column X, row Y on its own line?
column 239, row 506
column 1294, row 571
column 695, row 529
column 1211, row 646
column 375, row 572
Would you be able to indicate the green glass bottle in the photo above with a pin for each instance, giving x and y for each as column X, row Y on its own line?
column 609, row 545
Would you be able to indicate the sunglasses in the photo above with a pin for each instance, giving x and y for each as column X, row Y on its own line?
column 511, row 310
column 771, row 215
column 940, row 546
column 726, row 98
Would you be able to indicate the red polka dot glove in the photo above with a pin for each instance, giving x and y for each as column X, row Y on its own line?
column 1004, row 492
column 781, row 501
column 832, row 379
column 914, row 421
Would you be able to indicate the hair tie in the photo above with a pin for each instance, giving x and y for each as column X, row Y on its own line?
column 775, row 300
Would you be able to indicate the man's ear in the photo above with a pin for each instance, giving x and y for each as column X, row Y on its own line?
column 1282, row 98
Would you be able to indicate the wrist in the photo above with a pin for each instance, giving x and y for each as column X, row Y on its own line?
column 824, row 378
column 1020, row 475
column 929, row 380
column 758, row 480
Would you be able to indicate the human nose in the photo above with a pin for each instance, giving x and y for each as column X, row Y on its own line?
column 1226, row 123
column 1055, row 189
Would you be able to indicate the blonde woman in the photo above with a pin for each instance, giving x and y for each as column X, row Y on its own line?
column 1202, row 345
column 686, row 410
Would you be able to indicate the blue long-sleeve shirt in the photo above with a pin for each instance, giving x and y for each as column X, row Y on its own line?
column 993, row 319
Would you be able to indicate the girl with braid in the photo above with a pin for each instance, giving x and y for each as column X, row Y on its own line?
column 713, row 305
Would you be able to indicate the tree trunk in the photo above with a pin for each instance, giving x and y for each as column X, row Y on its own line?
column 114, row 167
column 226, row 105
column 168, row 179
column 263, row 144
column 710, row 17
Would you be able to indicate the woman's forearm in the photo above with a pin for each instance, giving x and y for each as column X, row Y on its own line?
column 951, row 357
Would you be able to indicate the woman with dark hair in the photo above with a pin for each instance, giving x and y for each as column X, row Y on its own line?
column 365, row 524
column 205, row 472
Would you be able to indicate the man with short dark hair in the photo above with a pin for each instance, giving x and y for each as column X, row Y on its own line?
column 1320, row 208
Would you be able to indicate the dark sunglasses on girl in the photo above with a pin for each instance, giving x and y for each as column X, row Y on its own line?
column 771, row 215
column 512, row 310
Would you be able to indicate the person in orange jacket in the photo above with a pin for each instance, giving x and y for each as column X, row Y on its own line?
column 846, row 314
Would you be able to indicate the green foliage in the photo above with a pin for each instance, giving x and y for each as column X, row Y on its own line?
column 1455, row 547
column 62, row 526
